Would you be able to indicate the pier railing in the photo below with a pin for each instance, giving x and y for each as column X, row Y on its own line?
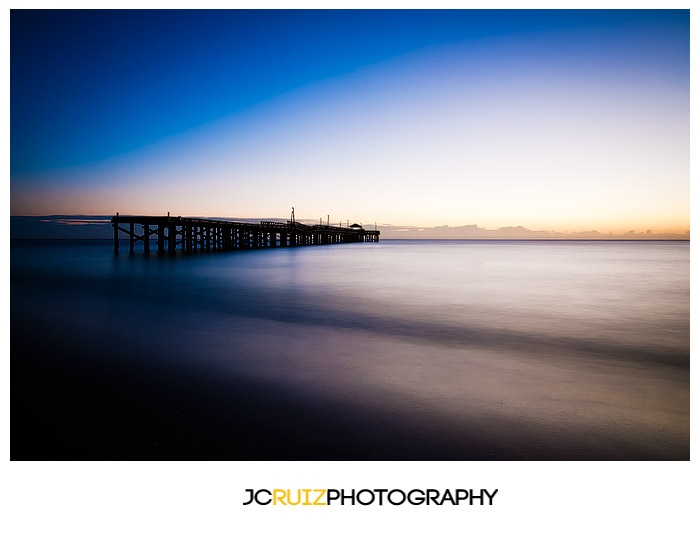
column 192, row 235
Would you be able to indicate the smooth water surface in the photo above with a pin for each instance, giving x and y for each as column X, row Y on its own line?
column 401, row 349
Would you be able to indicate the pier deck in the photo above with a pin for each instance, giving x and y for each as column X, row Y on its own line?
column 192, row 235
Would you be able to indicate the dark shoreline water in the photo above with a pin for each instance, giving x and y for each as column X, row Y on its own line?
column 397, row 350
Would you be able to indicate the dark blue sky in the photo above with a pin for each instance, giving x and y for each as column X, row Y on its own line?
column 89, row 85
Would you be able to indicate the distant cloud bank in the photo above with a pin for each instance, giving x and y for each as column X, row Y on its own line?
column 519, row 232
column 96, row 227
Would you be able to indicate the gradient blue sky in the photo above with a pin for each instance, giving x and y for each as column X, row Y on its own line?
column 566, row 120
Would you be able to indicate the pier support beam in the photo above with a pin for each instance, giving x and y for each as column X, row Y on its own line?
column 115, row 225
column 161, row 238
column 172, row 238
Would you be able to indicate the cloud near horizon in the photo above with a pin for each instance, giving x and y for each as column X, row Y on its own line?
column 517, row 232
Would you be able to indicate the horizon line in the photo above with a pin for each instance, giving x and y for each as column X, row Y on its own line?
column 79, row 226
column 396, row 225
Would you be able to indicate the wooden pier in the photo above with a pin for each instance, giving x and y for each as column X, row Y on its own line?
column 195, row 235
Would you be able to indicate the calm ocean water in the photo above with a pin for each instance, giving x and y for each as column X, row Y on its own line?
column 396, row 350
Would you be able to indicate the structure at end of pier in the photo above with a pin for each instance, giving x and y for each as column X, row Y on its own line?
column 193, row 235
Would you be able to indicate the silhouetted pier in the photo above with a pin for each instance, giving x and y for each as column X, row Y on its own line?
column 192, row 235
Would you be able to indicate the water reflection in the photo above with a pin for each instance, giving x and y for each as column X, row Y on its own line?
column 465, row 347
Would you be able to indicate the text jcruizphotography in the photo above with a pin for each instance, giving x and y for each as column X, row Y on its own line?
column 366, row 497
